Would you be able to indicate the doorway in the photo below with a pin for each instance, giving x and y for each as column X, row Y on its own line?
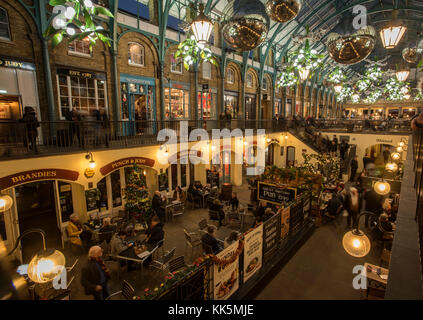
column 290, row 157
column 250, row 108
column 36, row 207
column 141, row 114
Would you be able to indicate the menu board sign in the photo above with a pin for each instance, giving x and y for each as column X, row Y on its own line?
column 275, row 194
column 226, row 280
column 296, row 217
column 285, row 222
column 271, row 236
column 253, row 249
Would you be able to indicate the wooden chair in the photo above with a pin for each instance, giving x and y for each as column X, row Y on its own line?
column 127, row 291
column 177, row 264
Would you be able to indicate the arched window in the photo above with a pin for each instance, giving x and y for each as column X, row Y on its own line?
column 4, row 25
column 135, row 54
column 249, row 80
column 230, row 76
column 264, row 86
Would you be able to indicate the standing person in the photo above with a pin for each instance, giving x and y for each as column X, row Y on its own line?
column 352, row 203
column 234, row 202
column 158, row 204
column 74, row 230
column 354, row 167
column 29, row 118
column 94, row 275
column 386, row 155
column 373, row 203
column 228, row 118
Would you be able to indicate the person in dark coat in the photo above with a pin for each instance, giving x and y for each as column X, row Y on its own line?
column 158, row 205
column 352, row 203
column 217, row 207
column 154, row 233
column 29, row 118
column 354, row 167
column 95, row 275
column 374, row 204
column 209, row 241
column 386, row 155
column 234, row 202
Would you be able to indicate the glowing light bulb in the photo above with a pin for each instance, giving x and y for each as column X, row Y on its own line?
column 356, row 243
column 92, row 164
column 70, row 12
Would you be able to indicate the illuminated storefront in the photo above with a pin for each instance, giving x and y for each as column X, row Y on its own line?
column 207, row 104
column 177, row 102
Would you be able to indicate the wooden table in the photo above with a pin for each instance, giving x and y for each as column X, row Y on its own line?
column 374, row 280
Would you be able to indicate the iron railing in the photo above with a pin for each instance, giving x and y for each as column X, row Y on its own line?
column 19, row 139
column 418, row 168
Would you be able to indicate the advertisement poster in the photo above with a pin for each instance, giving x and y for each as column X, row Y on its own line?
column 226, row 278
column 271, row 231
column 253, row 248
column 285, row 222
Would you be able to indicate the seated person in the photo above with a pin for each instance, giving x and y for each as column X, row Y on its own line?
column 107, row 230
column 334, row 206
column 234, row 202
column 154, row 233
column 231, row 239
column 257, row 221
column 179, row 195
column 217, row 206
column 198, row 185
column 386, row 225
column 120, row 247
column 210, row 242
column 259, row 212
column 196, row 196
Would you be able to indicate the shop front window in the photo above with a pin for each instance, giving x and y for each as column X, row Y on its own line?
column 176, row 66
column 207, row 105
column 80, row 47
column 176, row 104
column 135, row 54
column 84, row 95
column 231, row 105
column 102, row 187
column 65, row 199
column 264, row 85
column 125, row 103
column 116, row 189
column 277, row 110
column 4, row 25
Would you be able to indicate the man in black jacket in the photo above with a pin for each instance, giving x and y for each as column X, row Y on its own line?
column 31, row 126
column 354, row 167
column 210, row 242
column 158, row 205
column 94, row 275
column 154, row 233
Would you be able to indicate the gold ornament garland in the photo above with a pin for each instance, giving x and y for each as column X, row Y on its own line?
column 224, row 262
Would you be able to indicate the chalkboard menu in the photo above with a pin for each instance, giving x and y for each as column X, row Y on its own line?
column 296, row 218
column 275, row 194
column 271, row 237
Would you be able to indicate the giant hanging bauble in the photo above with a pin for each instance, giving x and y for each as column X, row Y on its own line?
column 283, row 10
column 245, row 24
column 353, row 48
column 410, row 55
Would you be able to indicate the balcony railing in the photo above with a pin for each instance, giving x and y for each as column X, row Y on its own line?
column 20, row 139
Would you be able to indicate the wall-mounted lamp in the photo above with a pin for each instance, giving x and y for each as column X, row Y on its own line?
column 91, row 163
column 6, row 203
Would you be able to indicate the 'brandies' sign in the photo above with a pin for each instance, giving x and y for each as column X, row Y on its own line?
column 275, row 194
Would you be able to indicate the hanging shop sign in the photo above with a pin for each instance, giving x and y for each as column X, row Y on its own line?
column 112, row 166
column 81, row 73
column 7, row 63
column 226, row 277
column 36, row 175
column 285, row 222
column 253, row 252
column 89, row 173
column 137, row 79
column 271, row 235
column 275, row 194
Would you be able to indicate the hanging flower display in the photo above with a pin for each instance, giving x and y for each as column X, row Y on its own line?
column 337, row 76
column 363, row 84
column 345, row 94
column 305, row 60
column 396, row 90
column 374, row 73
column 287, row 78
column 191, row 52
column 374, row 95
column 75, row 20
column 355, row 98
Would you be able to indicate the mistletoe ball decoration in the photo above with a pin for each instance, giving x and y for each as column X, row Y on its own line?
column 396, row 90
column 345, row 94
column 287, row 78
column 337, row 76
column 374, row 73
column 374, row 95
column 363, row 84
column 76, row 20
column 191, row 52
column 305, row 58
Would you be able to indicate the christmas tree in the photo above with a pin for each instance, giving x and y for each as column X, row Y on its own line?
column 138, row 203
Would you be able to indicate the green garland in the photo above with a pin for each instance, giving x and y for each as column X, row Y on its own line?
column 191, row 52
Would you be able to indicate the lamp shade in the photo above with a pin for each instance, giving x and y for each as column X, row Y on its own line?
column 382, row 187
column 202, row 27
column 391, row 167
column 6, row 203
column 46, row 265
column 356, row 243
column 392, row 35
column 402, row 75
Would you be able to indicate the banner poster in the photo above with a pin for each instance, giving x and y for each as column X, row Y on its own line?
column 285, row 222
column 253, row 249
column 226, row 278
column 271, row 236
